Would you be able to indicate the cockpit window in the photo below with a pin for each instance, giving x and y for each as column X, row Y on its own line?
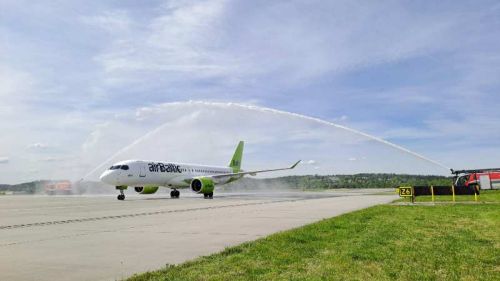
column 124, row 167
column 115, row 167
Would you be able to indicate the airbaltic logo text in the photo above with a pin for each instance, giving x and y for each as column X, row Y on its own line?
column 164, row 168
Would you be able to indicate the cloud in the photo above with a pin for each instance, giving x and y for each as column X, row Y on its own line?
column 15, row 86
column 174, row 42
column 65, row 158
column 4, row 160
column 198, row 40
column 52, row 159
column 37, row 146
column 110, row 21
column 342, row 118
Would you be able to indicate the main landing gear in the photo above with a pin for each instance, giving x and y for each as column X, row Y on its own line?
column 121, row 196
column 208, row 195
column 175, row 193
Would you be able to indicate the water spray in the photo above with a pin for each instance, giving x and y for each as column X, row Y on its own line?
column 266, row 110
column 377, row 139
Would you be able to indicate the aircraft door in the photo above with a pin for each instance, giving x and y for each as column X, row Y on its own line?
column 142, row 171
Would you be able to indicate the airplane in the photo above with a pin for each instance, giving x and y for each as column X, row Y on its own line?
column 147, row 176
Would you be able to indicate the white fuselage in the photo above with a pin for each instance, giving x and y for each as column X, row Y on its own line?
column 157, row 173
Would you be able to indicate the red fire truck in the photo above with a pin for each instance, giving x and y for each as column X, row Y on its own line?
column 58, row 187
column 485, row 178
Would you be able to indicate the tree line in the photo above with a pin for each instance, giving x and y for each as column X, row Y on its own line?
column 367, row 180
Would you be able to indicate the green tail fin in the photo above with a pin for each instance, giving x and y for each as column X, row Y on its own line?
column 236, row 160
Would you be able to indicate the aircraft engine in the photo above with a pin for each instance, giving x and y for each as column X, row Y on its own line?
column 203, row 185
column 148, row 189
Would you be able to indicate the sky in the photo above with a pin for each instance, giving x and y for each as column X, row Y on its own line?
column 82, row 80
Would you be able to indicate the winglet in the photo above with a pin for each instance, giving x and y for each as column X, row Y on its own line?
column 293, row 166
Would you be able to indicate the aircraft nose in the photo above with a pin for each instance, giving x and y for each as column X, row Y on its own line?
column 106, row 177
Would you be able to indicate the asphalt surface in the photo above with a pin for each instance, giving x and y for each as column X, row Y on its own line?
column 101, row 238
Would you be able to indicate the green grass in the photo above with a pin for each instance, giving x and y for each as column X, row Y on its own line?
column 388, row 242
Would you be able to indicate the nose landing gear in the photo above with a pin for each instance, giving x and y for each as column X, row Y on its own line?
column 121, row 196
column 175, row 193
column 208, row 195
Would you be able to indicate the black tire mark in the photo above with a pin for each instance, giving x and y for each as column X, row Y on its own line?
column 48, row 223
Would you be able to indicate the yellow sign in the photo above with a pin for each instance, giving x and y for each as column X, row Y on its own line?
column 405, row 192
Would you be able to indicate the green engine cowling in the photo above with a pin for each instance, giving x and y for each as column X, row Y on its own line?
column 203, row 185
column 148, row 189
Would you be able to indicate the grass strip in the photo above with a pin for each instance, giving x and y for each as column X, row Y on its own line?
column 388, row 242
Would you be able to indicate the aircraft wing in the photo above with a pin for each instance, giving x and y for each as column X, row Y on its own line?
column 231, row 176
column 253, row 173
